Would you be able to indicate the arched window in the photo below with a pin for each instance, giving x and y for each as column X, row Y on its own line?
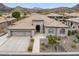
column 62, row 31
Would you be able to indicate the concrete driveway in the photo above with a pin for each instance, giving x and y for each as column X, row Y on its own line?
column 3, row 39
column 15, row 44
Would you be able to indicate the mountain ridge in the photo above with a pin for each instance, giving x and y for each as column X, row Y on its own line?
column 5, row 8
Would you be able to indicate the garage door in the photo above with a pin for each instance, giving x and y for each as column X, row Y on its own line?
column 21, row 33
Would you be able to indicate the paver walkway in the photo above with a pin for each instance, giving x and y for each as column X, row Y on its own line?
column 36, row 47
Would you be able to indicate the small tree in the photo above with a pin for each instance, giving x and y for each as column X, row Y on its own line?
column 16, row 15
column 53, row 41
column 30, row 48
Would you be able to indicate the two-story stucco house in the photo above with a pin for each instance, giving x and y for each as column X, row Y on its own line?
column 37, row 23
column 71, row 15
column 56, row 16
column 73, row 23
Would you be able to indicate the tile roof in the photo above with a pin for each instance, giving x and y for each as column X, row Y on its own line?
column 54, row 14
column 71, row 14
column 73, row 20
column 27, row 22
column 2, row 19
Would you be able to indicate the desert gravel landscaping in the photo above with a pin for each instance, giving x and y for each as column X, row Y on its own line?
column 45, row 47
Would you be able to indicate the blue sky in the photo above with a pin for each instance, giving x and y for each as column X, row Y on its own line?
column 41, row 5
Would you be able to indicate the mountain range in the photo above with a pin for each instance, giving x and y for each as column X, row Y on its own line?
column 4, row 8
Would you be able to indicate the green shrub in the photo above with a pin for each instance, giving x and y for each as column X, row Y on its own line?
column 52, row 39
column 42, row 47
column 73, row 45
column 74, row 32
column 69, row 33
column 42, row 44
column 75, row 41
column 77, row 35
column 32, row 40
column 30, row 48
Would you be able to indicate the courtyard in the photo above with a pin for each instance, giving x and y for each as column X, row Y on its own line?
column 66, row 44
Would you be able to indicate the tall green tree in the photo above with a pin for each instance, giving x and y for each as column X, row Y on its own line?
column 16, row 15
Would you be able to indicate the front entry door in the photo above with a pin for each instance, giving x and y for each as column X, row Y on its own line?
column 37, row 28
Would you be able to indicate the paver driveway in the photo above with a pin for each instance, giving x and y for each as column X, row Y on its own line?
column 15, row 44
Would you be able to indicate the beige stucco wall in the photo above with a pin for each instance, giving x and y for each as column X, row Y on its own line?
column 38, row 23
column 3, row 26
column 9, row 32
column 56, row 32
column 46, row 31
column 62, row 35
column 74, row 26
column 24, row 31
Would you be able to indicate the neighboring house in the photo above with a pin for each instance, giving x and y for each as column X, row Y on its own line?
column 37, row 23
column 4, row 23
column 56, row 16
column 71, row 15
column 10, row 21
column 73, row 23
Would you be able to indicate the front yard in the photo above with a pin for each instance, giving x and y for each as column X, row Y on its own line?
column 67, row 44
column 45, row 47
column 51, row 44
column 39, row 43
